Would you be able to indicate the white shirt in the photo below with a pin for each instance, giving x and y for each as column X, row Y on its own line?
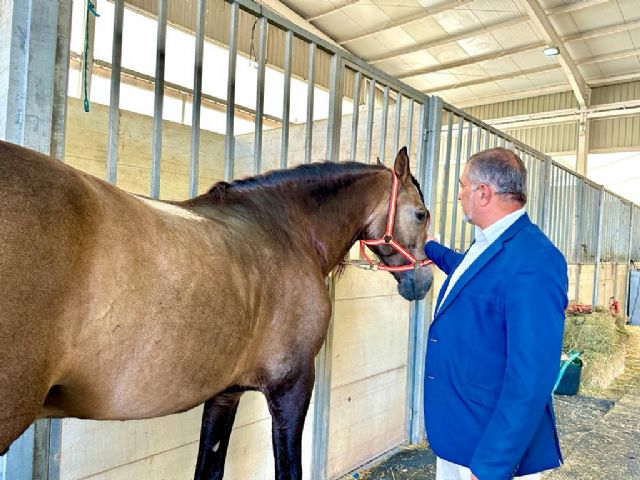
column 483, row 239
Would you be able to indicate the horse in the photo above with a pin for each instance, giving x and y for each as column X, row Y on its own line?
column 115, row 306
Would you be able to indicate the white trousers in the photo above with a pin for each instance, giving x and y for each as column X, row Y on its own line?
column 450, row 471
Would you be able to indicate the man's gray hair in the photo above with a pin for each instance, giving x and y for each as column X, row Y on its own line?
column 502, row 169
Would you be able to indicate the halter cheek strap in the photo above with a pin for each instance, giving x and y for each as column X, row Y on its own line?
column 388, row 239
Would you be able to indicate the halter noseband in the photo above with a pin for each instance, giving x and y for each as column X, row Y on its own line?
column 388, row 239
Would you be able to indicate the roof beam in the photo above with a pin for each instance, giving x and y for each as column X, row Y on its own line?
column 329, row 11
column 444, row 41
column 598, row 32
column 540, row 19
column 532, row 92
column 506, row 76
column 632, row 52
column 574, row 6
column 473, row 60
column 421, row 15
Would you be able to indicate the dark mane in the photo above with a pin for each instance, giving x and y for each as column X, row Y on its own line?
column 327, row 172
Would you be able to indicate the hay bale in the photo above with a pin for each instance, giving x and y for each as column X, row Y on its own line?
column 601, row 339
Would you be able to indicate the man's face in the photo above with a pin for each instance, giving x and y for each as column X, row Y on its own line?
column 467, row 195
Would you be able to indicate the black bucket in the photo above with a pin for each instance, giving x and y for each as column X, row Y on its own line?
column 570, row 381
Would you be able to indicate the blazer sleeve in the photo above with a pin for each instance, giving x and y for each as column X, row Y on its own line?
column 534, row 314
column 445, row 258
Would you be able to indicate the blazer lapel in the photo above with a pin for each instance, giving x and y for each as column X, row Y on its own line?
column 479, row 264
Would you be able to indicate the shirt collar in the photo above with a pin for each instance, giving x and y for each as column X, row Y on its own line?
column 493, row 231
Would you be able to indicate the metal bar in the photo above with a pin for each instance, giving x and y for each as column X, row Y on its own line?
column 421, row 311
column 229, row 135
column 322, row 394
column 383, row 128
column 335, row 109
column 596, row 273
column 114, row 98
column 308, row 139
column 158, row 99
column 456, row 184
column 409, row 125
column 628, row 262
column 479, row 138
column 422, row 134
column 286, row 99
column 546, row 198
column 194, row 165
column 61, row 80
column 396, row 128
column 463, row 229
column 445, row 182
column 262, row 64
column 356, row 116
column 370, row 112
column 487, row 140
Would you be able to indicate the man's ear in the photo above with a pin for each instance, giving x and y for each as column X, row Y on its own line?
column 401, row 165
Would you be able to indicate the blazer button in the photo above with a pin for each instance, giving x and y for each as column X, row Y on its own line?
column 431, row 377
column 434, row 340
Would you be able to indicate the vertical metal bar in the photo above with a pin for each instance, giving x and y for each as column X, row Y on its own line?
column 445, row 182
column 421, row 310
column 286, row 99
column 370, row 112
column 353, row 150
column 61, row 80
column 383, row 128
column 422, row 120
column 456, row 184
column 158, row 99
column 409, row 125
column 335, row 109
column 487, row 140
column 229, row 135
column 308, row 139
column 546, row 198
column 628, row 261
column 194, row 165
column 396, row 128
column 463, row 230
column 596, row 273
column 114, row 99
column 322, row 393
column 262, row 64
column 479, row 138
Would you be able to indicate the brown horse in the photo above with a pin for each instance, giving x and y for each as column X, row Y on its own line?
column 114, row 306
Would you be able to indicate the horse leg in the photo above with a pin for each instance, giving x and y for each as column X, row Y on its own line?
column 288, row 403
column 217, row 421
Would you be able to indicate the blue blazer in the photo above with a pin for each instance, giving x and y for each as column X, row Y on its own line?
column 493, row 354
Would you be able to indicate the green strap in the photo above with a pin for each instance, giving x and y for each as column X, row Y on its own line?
column 565, row 364
column 91, row 10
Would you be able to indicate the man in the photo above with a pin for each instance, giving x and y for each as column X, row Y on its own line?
column 495, row 342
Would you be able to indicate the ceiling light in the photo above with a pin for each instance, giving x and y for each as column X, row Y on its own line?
column 551, row 51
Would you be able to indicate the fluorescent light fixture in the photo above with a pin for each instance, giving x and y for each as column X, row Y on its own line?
column 551, row 51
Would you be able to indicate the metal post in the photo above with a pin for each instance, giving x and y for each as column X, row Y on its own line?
column 356, row 116
column 322, row 396
column 383, row 128
column 308, row 139
column 445, row 182
column 369, row 132
column 262, row 61
column 546, row 197
column 409, row 125
column 61, row 80
column 628, row 263
column 463, row 230
column 194, row 165
column 596, row 273
column 286, row 99
column 422, row 310
column 229, row 135
column 158, row 99
column 335, row 109
column 114, row 98
column 454, row 207
column 396, row 127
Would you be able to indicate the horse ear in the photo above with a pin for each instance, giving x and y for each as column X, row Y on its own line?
column 401, row 166
column 378, row 161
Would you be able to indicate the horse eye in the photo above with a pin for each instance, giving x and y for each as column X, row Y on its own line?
column 420, row 216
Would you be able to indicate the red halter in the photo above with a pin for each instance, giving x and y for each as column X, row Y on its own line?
column 388, row 238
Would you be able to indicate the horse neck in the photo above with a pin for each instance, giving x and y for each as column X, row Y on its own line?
column 339, row 218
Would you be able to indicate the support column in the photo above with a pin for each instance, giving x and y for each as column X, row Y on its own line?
column 583, row 144
column 34, row 55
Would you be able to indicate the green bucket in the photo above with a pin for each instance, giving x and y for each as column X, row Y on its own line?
column 569, row 383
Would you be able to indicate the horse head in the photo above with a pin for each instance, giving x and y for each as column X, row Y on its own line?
column 408, row 225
